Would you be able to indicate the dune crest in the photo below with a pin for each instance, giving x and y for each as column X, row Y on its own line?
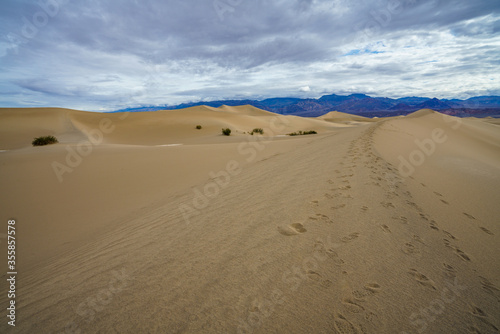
column 340, row 117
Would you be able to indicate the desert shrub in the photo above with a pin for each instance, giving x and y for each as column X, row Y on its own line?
column 301, row 133
column 226, row 132
column 198, row 127
column 44, row 140
column 257, row 130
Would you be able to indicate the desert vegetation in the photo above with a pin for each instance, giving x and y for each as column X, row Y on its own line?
column 44, row 140
column 257, row 130
column 301, row 133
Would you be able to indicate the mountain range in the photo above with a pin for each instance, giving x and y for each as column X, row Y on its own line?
column 358, row 104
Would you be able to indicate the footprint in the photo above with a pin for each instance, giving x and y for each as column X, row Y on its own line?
column 409, row 248
column 298, row 227
column 369, row 289
column 449, row 271
column 449, row 235
column 476, row 311
column 314, row 275
column 351, row 306
column 387, row 204
column 424, row 216
column 457, row 250
column 338, row 206
column 402, row 219
column 335, row 257
column 438, row 194
column 422, row 279
column 433, row 225
column 485, row 230
column 344, row 326
column 461, row 254
column 469, row 216
column 350, row 237
column 418, row 239
column 487, row 285
column 286, row 231
column 321, row 217
column 414, row 205
column 292, row 229
column 326, row 283
column 364, row 208
column 328, row 220
column 373, row 319
column 331, row 253
column 482, row 316
column 445, row 202
column 385, row 228
column 372, row 288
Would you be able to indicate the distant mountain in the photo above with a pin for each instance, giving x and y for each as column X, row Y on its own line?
column 335, row 98
column 365, row 104
column 482, row 102
column 358, row 104
column 402, row 107
column 280, row 102
column 434, row 104
column 413, row 100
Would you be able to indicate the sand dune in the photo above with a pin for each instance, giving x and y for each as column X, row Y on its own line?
column 20, row 126
column 340, row 117
column 370, row 226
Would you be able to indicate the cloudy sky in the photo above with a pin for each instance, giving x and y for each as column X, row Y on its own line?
column 110, row 54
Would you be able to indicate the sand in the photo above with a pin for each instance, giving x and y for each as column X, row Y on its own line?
column 140, row 223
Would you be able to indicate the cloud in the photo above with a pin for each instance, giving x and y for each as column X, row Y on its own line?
column 116, row 53
column 305, row 89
